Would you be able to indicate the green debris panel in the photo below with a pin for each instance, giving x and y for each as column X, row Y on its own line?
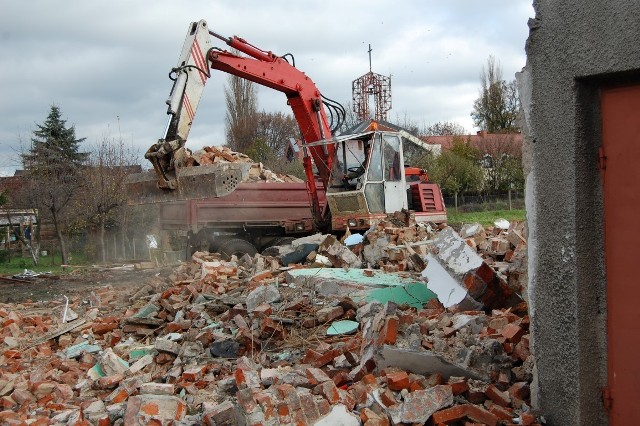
column 343, row 327
column 368, row 285
column 414, row 295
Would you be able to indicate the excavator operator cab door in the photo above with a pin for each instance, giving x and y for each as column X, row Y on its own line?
column 385, row 184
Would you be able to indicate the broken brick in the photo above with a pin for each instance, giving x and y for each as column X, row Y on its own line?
column 460, row 412
column 497, row 396
column 328, row 314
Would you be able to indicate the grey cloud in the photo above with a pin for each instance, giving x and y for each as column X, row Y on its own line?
column 99, row 60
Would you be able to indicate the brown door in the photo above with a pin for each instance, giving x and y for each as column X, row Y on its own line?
column 621, row 178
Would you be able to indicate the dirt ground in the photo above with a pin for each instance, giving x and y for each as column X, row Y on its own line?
column 76, row 283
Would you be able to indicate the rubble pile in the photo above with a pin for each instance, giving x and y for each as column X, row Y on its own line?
column 220, row 155
column 318, row 332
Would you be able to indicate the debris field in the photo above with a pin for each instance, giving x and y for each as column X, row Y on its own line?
column 406, row 324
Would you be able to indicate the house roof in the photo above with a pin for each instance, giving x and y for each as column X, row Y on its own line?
column 484, row 142
column 365, row 125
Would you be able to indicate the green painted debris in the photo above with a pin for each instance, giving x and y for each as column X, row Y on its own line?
column 77, row 350
column 357, row 276
column 343, row 327
column 138, row 353
column 398, row 287
column 146, row 311
column 414, row 295
column 96, row 372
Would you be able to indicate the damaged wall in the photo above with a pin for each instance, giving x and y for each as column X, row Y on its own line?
column 574, row 49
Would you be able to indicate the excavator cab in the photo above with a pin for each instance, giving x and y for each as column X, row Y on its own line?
column 369, row 180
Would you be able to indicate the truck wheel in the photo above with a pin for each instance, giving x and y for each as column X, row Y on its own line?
column 238, row 248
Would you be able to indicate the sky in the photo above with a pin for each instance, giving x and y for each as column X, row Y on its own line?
column 105, row 64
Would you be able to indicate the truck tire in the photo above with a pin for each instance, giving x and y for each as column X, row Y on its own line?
column 237, row 247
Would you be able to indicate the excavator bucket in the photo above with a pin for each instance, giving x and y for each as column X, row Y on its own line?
column 215, row 180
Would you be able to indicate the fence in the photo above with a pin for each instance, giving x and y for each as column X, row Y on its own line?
column 479, row 202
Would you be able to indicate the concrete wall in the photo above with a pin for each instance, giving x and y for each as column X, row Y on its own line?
column 574, row 48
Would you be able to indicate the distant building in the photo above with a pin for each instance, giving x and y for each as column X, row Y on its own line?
column 487, row 143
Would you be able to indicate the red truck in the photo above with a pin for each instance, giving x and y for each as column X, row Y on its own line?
column 253, row 217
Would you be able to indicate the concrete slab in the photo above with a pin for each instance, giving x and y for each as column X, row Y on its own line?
column 421, row 362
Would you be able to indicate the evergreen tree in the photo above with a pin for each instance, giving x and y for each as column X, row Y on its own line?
column 53, row 166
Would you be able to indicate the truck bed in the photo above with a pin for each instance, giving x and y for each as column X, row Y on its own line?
column 250, row 205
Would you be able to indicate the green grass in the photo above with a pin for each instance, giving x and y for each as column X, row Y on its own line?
column 483, row 217
column 45, row 264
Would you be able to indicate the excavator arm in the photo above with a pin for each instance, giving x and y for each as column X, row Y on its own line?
column 189, row 78
column 261, row 67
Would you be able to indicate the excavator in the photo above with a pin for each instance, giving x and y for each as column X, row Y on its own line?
column 361, row 176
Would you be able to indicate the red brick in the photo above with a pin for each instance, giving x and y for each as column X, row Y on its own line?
column 245, row 399
column 118, row 395
column 415, row 386
column 324, row 407
column 346, row 399
column 371, row 418
column 513, row 333
column 501, row 413
column 475, row 285
column 268, row 407
column 398, row 380
column 270, row 328
column 102, row 328
column 388, row 398
column 262, row 310
column 527, row 419
column 319, row 359
column 328, row 314
column 519, row 390
column 389, row 332
column 377, row 422
column 109, row 382
column 41, row 389
column 497, row 396
column 172, row 327
column 460, row 412
column 341, row 377
column 246, row 378
column 309, row 407
column 329, row 391
column 22, row 396
column 194, row 374
column 370, row 379
column 458, row 385
column 522, row 350
column 316, row 376
column 7, row 403
column 359, row 392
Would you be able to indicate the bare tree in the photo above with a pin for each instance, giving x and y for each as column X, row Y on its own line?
column 496, row 109
column 275, row 129
column 443, row 128
column 241, row 124
column 351, row 119
column 109, row 164
column 501, row 157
